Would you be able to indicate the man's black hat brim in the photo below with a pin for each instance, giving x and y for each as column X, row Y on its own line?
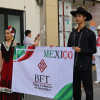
column 81, row 10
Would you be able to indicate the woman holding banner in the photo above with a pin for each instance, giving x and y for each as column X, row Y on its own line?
column 6, row 65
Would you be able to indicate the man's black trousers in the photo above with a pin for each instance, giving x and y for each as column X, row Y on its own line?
column 86, row 78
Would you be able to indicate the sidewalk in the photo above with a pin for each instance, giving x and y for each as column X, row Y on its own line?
column 96, row 90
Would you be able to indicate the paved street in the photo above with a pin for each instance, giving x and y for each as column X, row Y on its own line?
column 96, row 91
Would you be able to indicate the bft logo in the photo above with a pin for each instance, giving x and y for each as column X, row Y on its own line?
column 42, row 78
column 42, row 65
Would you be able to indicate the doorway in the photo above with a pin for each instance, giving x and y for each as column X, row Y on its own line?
column 13, row 18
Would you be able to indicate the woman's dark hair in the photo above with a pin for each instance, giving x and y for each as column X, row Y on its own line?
column 14, row 30
column 27, row 32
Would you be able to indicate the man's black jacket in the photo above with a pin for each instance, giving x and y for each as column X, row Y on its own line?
column 87, row 43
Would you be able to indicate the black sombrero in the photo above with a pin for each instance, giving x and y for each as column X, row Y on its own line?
column 82, row 11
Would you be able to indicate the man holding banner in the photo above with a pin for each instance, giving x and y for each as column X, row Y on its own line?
column 83, row 41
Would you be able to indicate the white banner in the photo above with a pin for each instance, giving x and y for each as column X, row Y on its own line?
column 43, row 71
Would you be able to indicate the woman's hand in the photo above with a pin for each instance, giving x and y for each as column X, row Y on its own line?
column 0, row 61
column 0, row 70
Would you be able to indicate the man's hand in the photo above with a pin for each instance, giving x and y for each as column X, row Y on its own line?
column 77, row 49
column 93, row 57
column 37, row 38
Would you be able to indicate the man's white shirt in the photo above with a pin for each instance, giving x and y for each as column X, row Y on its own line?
column 28, row 41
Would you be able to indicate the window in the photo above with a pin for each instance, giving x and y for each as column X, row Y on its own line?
column 65, row 21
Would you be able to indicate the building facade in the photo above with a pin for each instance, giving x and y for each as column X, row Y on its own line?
column 21, row 14
column 50, row 18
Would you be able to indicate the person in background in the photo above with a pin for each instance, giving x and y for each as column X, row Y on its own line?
column 6, row 66
column 83, row 41
column 28, row 41
column 97, row 56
